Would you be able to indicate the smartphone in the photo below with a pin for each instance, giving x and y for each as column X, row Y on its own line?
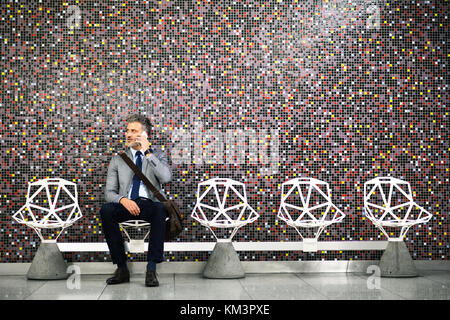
column 137, row 144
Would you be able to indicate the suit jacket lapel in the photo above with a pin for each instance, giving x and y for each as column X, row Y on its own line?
column 144, row 163
column 130, row 155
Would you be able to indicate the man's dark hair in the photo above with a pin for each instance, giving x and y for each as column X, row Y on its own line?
column 146, row 124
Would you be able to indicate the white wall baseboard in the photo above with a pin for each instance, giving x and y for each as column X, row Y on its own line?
column 249, row 267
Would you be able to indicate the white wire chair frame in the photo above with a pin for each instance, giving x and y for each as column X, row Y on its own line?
column 388, row 218
column 137, row 224
column 135, row 245
column 51, row 219
column 306, row 218
column 222, row 217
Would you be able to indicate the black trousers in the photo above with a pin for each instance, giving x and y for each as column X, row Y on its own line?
column 114, row 213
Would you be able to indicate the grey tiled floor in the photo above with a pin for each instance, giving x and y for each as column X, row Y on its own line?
column 287, row 286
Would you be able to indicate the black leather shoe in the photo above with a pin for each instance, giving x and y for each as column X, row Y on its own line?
column 150, row 279
column 120, row 276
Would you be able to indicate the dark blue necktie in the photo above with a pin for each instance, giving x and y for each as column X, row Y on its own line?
column 136, row 180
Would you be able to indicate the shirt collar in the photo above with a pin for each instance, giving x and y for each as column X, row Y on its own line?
column 133, row 151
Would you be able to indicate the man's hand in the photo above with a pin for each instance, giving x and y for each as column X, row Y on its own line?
column 143, row 142
column 131, row 206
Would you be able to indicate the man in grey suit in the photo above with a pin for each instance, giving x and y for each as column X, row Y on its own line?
column 127, row 198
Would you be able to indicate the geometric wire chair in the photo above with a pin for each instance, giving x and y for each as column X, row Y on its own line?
column 388, row 202
column 222, row 203
column 50, row 203
column 306, row 206
column 389, row 205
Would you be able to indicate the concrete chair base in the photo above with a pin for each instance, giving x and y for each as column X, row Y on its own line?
column 396, row 261
column 48, row 263
column 224, row 263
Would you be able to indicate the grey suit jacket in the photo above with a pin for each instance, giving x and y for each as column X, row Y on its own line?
column 119, row 179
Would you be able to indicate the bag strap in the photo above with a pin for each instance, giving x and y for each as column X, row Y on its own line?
column 141, row 176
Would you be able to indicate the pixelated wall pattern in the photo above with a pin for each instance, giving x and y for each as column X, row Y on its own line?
column 341, row 91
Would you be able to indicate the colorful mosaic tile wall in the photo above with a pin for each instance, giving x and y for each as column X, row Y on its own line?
column 342, row 91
